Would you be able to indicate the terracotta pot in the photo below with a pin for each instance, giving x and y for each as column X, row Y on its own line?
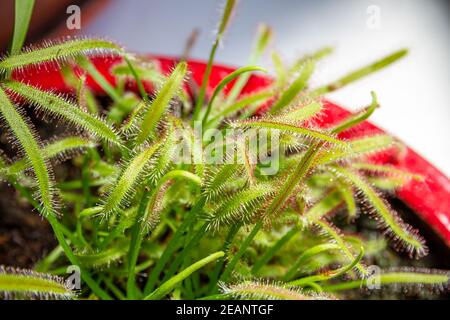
column 429, row 199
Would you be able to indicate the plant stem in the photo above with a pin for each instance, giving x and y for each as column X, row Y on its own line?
column 219, row 265
column 85, row 275
column 222, row 85
column 181, row 257
column 223, row 25
column 68, row 251
column 273, row 250
column 232, row 264
column 170, row 284
column 172, row 246
column 135, row 244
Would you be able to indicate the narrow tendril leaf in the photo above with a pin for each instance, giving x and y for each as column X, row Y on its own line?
column 154, row 206
column 277, row 124
column 359, row 117
column 294, row 89
column 332, row 233
column 346, row 192
column 32, row 151
column 357, row 148
column 360, row 73
column 170, row 284
column 58, row 148
column 239, row 207
column 280, row 70
column 161, row 102
column 400, row 278
column 307, row 255
column 324, row 206
column 103, row 258
column 132, row 173
column 59, row 52
column 27, row 284
column 406, row 239
column 330, row 274
column 23, row 11
column 163, row 160
column 58, row 106
column 224, row 22
column 224, row 82
column 262, row 40
column 269, row 291
column 387, row 170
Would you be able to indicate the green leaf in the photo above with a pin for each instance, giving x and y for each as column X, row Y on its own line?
column 315, row 56
column 303, row 112
column 155, row 111
column 239, row 207
column 294, row 89
column 283, row 125
column 170, row 284
column 330, row 231
column 329, row 274
column 58, row 52
column 388, row 171
column 60, row 107
column 54, row 149
column 280, row 70
column 258, row 97
column 21, row 283
column 307, row 255
column 23, row 12
column 357, row 148
column 32, row 151
column 123, row 188
column 357, row 118
column 262, row 40
column 250, row 290
column 324, row 206
column 103, row 258
column 360, row 73
column 405, row 238
column 222, row 85
column 422, row 277
column 216, row 179
column 226, row 17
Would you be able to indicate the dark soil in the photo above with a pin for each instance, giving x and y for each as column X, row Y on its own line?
column 25, row 237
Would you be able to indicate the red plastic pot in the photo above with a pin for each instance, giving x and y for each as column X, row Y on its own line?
column 429, row 199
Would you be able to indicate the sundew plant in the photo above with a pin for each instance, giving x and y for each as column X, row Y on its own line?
column 181, row 193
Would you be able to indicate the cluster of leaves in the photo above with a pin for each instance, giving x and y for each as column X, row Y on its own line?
column 142, row 226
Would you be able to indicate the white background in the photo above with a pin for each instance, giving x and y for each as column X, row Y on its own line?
column 414, row 93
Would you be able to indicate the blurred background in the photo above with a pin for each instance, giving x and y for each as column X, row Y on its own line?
column 414, row 93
